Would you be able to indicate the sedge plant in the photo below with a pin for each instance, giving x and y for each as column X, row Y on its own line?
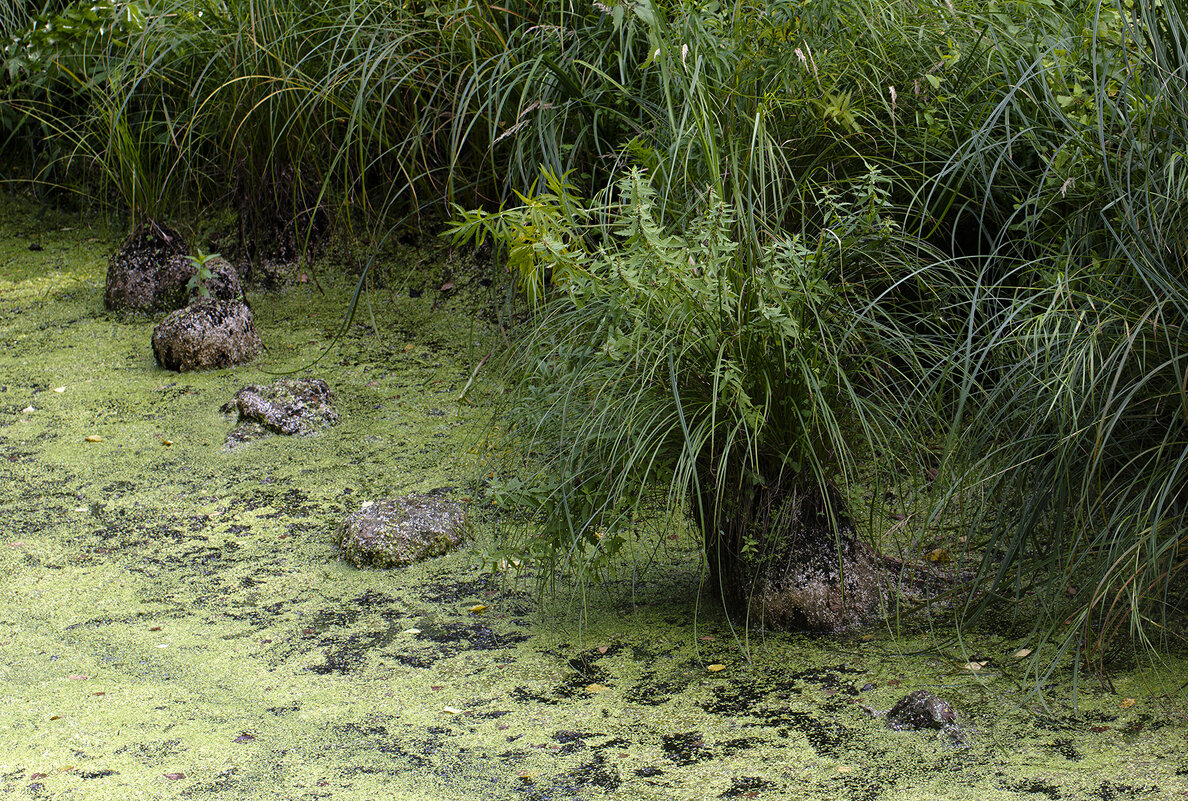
column 1071, row 424
column 736, row 386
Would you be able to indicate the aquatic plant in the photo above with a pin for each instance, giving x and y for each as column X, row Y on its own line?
column 738, row 385
column 1072, row 417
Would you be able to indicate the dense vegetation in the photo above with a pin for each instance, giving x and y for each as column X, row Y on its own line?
column 766, row 245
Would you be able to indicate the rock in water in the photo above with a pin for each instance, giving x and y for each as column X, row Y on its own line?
column 401, row 531
column 143, row 276
column 290, row 406
column 209, row 335
column 920, row 710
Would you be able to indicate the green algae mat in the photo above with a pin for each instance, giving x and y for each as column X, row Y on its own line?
column 176, row 621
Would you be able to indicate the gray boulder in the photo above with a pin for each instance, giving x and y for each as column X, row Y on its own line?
column 290, row 406
column 400, row 531
column 208, row 335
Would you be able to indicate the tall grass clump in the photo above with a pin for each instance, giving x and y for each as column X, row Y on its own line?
column 381, row 111
column 738, row 322
column 276, row 109
column 14, row 17
column 736, row 387
column 374, row 111
column 1074, row 425
column 49, row 60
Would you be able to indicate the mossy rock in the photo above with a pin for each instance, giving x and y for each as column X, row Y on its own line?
column 207, row 335
column 149, row 272
column 400, row 531
column 223, row 284
column 290, row 406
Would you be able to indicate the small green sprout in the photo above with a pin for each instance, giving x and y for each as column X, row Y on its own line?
column 202, row 273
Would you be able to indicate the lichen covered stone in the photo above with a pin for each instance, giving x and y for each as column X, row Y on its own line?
column 207, row 335
column 143, row 274
column 400, row 531
column 298, row 406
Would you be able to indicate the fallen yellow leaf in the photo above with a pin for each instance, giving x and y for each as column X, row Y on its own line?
column 975, row 665
column 94, row 438
column 715, row 668
column 594, row 688
column 844, row 769
column 602, row 649
column 477, row 609
column 939, row 555
column 1022, row 652
column 1127, row 703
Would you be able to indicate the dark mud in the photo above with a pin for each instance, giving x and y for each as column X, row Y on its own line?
column 176, row 622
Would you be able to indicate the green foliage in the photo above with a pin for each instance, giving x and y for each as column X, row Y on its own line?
column 1072, row 422
column 202, row 273
column 52, row 44
column 539, row 236
column 681, row 361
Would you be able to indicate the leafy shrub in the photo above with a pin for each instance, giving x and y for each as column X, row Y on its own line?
column 686, row 365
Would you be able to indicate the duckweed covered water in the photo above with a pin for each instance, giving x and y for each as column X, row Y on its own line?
column 176, row 621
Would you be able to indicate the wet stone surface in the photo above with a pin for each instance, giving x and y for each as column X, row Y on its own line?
column 149, row 271
column 222, row 284
column 208, row 334
column 300, row 406
column 396, row 532
column 920, row 710
column 176, row 620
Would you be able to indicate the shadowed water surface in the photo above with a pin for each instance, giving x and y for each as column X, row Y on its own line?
column 176, row 622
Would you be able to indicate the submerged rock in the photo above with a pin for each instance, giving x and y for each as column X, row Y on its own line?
column 920, row 710
column 208, row 335
column 400, row 531
column 290, row 406
column 149, row 272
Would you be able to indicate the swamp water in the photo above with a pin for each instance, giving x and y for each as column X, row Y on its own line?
column 176, row 621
